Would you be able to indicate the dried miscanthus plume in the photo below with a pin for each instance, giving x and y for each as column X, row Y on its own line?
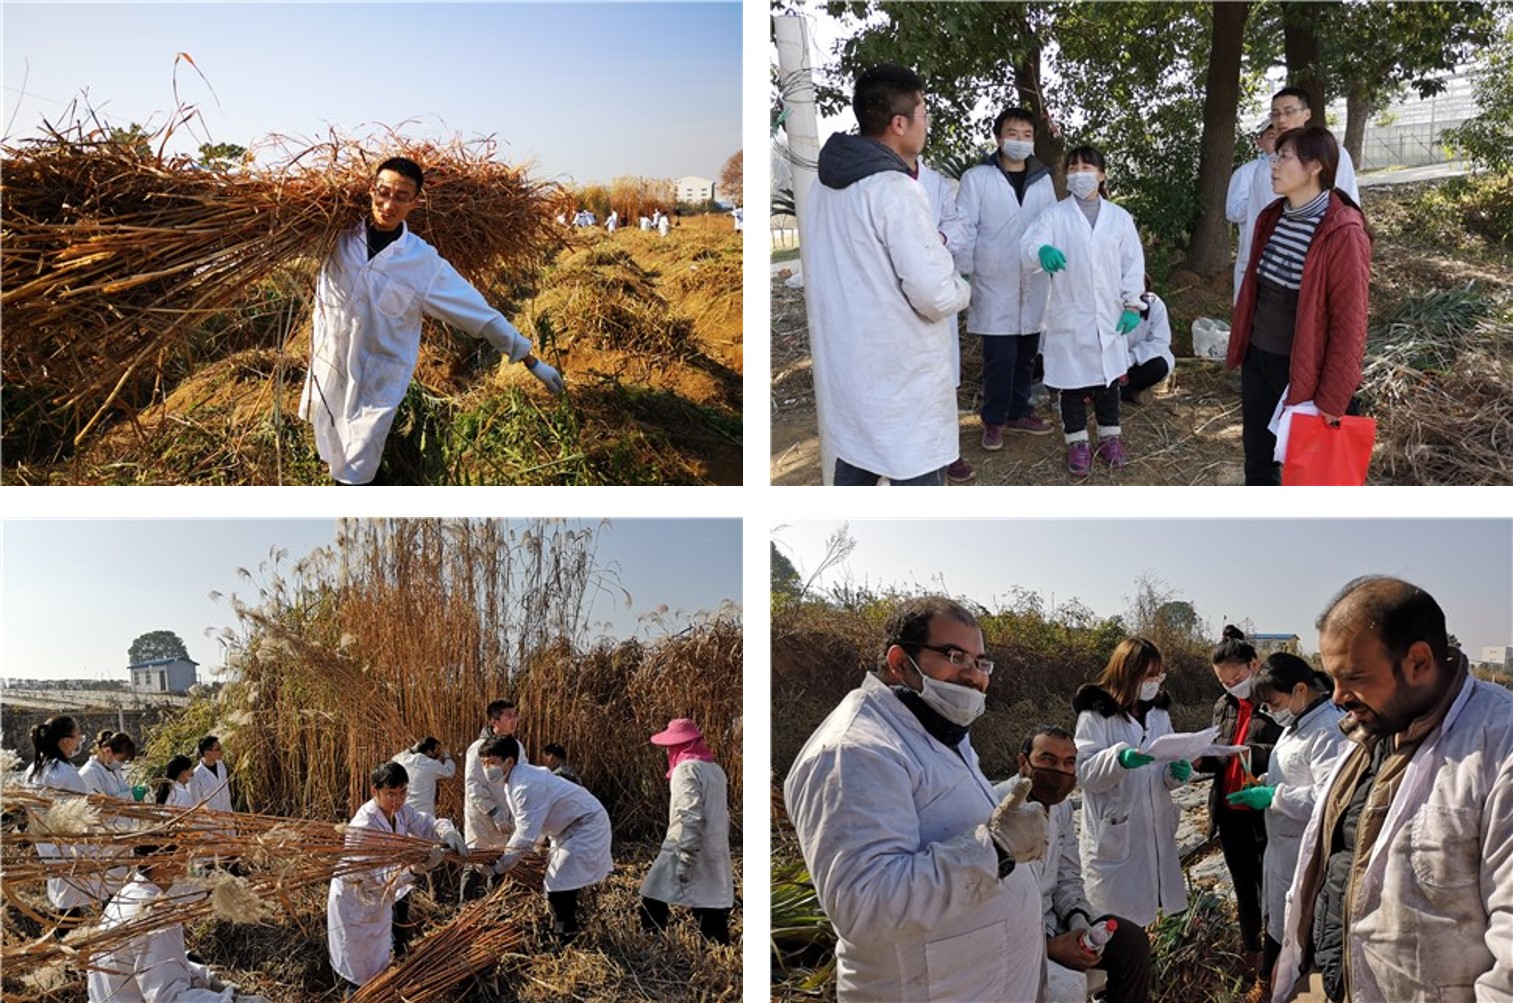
column 10, row 762
column 68, row 817
column 234, row 900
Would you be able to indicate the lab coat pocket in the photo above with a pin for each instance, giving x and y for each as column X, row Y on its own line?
column 1444, row 847
column 955, row 967
column 1113, row 837
column 395, row 300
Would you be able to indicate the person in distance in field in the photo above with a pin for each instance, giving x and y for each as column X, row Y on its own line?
column 365, row 340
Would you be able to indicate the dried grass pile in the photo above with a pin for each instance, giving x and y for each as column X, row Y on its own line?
column 1439, row 381
column 114, row 258
column 603, row 297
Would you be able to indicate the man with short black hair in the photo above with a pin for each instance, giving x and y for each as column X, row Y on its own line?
column 1404, row 883
column 554, row 758
column 365, row 336
column 916, row 860
column 881, row 289
column 486, row 820
column 1049, row 759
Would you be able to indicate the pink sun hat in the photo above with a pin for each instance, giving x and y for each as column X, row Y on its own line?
column 679, row 730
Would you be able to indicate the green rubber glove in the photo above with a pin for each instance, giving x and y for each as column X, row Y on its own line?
column 1258, row 798
column 1133, row 758
column 1128, row 321
column 1181, row 770
column 1051, row 259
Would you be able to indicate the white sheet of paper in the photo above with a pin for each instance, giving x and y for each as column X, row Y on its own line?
column 1189, row 745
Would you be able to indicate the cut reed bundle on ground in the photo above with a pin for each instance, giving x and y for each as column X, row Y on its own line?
column 602, row 296
column 113, row 257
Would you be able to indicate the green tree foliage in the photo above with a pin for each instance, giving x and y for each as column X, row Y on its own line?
column 1484, row 139
column 785, row 578
column 156, row 644
column 133, row 136
column 221, row 155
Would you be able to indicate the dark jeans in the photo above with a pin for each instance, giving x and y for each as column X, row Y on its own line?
column 404, row 930
column 1143, row 376
column 564, row 906
column 1008, row 371
column 1242, row 835
column 714, row 924
column 1263, row 377
column 1127, row 960
column 474, row 884
column 1105, row 407
column 848, row 476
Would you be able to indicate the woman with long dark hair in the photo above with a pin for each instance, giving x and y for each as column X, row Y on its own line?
column 1129, row 823
column 54, row 742
column 1298, row 334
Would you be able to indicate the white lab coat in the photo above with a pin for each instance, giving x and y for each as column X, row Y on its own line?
column 1244, row 207
column 155, row 967
column 882, row 289
column 366, row 338
column 482, row 830
column 698, row 829
column 211, row 787
column 1301, row 762
column 574, row 822
column 1103, row 277
column 1432, row 915
column 1152, row 337
column 892, row 825
column 952, row 226
column 663, row 226
column 1007, row 296
column 613, row 222
column 180, row 796
column 1129, row 822
column 360, row 904
column 101, row 779
column 64, row 893
column 424, row 772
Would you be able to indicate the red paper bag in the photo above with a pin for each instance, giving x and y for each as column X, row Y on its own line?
column 1319, row 455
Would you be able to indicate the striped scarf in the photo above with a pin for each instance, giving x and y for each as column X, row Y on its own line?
column 1282, row 257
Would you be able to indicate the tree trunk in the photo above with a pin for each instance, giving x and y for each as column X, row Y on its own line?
column 1300, row 43
column 1357, row 110
column 1208, row 253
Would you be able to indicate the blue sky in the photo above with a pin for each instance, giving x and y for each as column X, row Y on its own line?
column 589, row 91
column 77, row 592
column 1278, row 573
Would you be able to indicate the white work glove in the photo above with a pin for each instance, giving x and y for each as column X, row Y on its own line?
column 1076, row 921
column 456, row 843
column 548, row 376
column 506, row 863
column 432, row 861
column 1018, row 828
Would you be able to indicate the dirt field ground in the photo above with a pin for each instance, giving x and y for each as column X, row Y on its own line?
column 1190, row 433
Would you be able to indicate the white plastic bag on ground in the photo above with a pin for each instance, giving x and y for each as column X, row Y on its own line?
column 1210, row 338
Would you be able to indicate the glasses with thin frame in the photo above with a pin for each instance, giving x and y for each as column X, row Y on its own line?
column 959, row 657
column 383, row 193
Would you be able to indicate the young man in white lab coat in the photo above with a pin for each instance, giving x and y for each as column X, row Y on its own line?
column 1000, row 198
column 369, row 299
column 1249, row 193
column 881, row 290
column 574, row 823
column 426, row 762
column 361, row 907
column 155, row 967
column 486, row 820
column 916, row 860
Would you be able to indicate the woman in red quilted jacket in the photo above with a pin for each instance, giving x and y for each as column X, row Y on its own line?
column 1299, row 326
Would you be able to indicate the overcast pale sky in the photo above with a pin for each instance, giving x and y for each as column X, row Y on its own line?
column 1278, row 573
column 77, row 592
column 590, row 91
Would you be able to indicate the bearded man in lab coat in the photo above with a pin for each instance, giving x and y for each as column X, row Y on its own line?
column 882, row 289
column 916, row 860
column 365, row 341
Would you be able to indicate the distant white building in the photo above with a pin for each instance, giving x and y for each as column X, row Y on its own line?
column 164, row 675
column 1270, row 644
column 692, row 190
column 1498, row 654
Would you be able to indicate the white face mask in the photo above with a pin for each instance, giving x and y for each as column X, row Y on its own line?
column 494, row 773
column 1241, row 689
column 961, row 705
column 1017, row 149
column 1151, row 687
column 1283, row 716
column 1082, row 183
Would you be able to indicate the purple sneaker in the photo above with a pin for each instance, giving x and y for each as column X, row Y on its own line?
column 1111, row 451
column 1079, row 459
column 992, row 437
column 1030, row 425
column 960, row 472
